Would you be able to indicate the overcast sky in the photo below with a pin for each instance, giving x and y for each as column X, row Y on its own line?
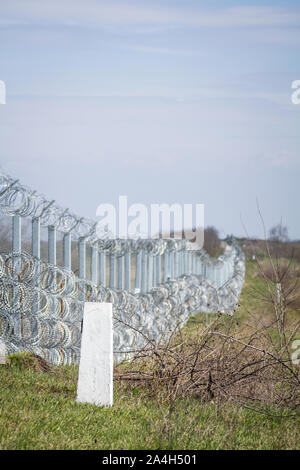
column 160, row 100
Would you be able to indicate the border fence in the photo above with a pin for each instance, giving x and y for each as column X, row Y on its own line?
column 153, row 284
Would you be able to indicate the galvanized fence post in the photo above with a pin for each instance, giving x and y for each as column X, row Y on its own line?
column 16, row 246
column 36, row 251
column 150, row 272
column 102, row 259
column 52, row 245
column 67, row 251
column 120, row 272
column 82, row 266
column 158, row 270
column 95, row 258
column 166, row 265
column 144, row 271
column 112, row 270
column 128, row 271
column 36, row 238
column 138, row 272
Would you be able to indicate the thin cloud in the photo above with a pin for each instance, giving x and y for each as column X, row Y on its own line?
column 162, row 50
column 275, row 36
column 105, row 14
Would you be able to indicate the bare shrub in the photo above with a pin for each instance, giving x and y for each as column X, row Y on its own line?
column 282, row 282
column 223, row 361
column 220, row 363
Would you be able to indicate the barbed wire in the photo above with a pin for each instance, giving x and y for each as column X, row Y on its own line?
column 17, row 199
column 41, row 306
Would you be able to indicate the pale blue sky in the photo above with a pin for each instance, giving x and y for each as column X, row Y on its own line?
column 162, row 101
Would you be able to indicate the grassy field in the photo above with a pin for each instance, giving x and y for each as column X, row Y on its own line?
column 38, row 411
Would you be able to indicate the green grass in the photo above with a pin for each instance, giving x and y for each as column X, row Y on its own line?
column 38, row 411
column 250, row 302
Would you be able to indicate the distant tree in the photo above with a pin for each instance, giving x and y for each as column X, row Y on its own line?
column 279, row 233
column 212, row 243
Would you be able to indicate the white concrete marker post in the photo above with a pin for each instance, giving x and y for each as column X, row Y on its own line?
column 3, row 352
column 95, row 379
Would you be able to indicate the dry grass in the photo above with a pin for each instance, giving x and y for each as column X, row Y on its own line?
column 31, row 361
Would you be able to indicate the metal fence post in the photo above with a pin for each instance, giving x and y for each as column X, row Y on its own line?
column 67, row 250
column 36, row 238
column 82, row 266
column 120, row 272
column 82, row 258
column 180, row 263
column 158, row 270
column 154, row 277
column 95, row 265
column 102, row 259
column 176, row 264
column 144, row 271
column 17, row 246
column 112, row 270
column 186, row 263
column 166, row 265
column 198, row 266
column 193, row 263
column 150, row 272
column 52, row 245
column 172, row 264
column 138, row 272
column 16, row 241
column 128, row 271
column 36, row 251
